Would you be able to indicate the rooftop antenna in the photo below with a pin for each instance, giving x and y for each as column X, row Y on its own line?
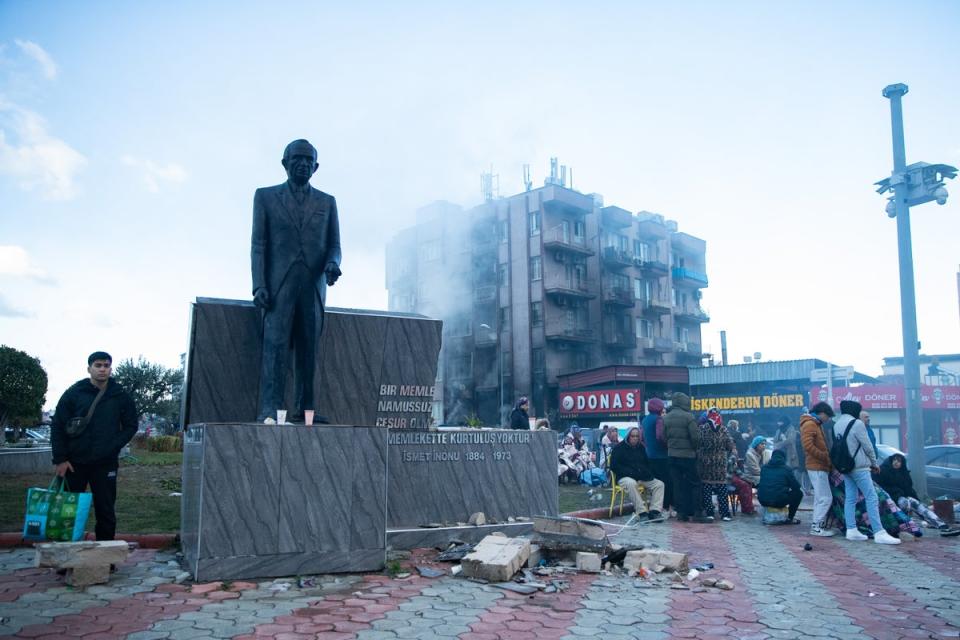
column 554, row 175
column 563, row 175
column 489, row 185
column 527, row 182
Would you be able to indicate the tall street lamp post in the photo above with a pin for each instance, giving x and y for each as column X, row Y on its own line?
column 911, row 185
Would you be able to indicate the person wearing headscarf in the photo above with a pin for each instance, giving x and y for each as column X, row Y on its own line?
column 610, row 439
column 630, row 466
column 740, row 438
column 713, row 453
column 894, row 478
column 778, row 487
column 753, row 461
column 655, row 442
column 519, row 418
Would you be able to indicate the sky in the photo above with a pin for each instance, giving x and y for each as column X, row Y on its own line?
column 133, row 135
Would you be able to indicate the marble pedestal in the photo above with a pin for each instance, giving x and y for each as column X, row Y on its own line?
column 373, row 368
column 266, row 501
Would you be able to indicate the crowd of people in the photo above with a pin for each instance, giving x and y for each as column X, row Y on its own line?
column 696, row 468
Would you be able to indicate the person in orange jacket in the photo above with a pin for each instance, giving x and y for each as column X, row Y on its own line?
column 817, row 453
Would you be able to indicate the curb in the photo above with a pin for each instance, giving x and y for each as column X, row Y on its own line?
column 143, row 540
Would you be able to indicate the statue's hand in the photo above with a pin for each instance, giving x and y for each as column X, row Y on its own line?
column 261, row 299
column 333, row 273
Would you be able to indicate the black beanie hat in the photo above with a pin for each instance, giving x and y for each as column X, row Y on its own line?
column 851, row 408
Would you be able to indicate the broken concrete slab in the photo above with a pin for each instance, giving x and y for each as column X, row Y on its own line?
column 496, row 559
column 569, row 534
column 83, row 576
column 535, row 556
column 588, row 562
column 477, row 519
column 656, row 560
column 68, row 555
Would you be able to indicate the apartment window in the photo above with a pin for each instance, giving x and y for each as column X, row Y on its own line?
column 643, row 328
column 461, row 367
column 536, row 269
column 565, row 231
column 539, row 362
column 579, row 231
column 676, row 297
column 504, row 230
column 502, row 275
column 682, row 334
column 638, row 289
column 536, row 313
column 624, row 243
column 534, row 223
column 504, row 318
column 581, row 360
column 641, row 250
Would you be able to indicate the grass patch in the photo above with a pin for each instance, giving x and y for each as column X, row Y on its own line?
column 574, row 497
column 143, row 501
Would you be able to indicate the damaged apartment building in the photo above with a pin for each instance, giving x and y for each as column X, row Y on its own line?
column 544, row 283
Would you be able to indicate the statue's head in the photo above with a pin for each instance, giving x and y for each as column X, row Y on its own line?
column 300, row 161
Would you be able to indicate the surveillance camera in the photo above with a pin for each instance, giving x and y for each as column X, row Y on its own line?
column 940, row 195
column 891, row 209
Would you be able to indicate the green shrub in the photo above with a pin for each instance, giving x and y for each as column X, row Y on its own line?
column 165, row 444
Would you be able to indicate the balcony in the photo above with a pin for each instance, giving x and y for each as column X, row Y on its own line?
column 560, row 332
column 562, row 200
column 561, row 286
column 657, row 306
column 484, row 338
column 618, row 340
column 691, row 353
column 652, row 268
column 618, row 297
column 691, row 314
column 645, row 343
column 615, row 217
column 662, row 345
column 689, row 276
column 485, row 294
column 616, row 258
column 563, row 239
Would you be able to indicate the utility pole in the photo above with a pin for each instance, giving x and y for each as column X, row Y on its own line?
column 911, row 185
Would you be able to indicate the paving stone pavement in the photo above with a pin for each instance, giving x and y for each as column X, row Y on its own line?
column 781, row 591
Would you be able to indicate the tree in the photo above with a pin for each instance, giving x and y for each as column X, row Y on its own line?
column 155, row 389
column 23, row 388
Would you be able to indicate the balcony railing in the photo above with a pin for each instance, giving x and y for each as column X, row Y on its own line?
column 567, row 333
column 693, row 314
column 663, row 344
column 560, row 238
column 653, row 268
column 614, row 257
column 682, row 274
column 562, row 285
column 645, row 343
column 485, row 294
column 620, row 340
column 619, row 296
column 656, row 306
column 485, row 337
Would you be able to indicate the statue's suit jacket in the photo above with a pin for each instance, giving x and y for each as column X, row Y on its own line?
column 282, row 229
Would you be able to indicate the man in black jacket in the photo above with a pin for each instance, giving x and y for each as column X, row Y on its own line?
column 629, row 464
column 91, row 457
column 778, row 487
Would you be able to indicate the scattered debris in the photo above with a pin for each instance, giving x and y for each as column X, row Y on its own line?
column 726, row 585
column 429, row 572
column 706, row 566
column 496, row 559
column 455, row 553
column 85, row 563
column 536, row 556
column 678, row 586
column 431, row 525
column 280, row 586
column 693, row 574
column 808, row 547
column 516, row 588
column 477, row 519
column 457, row 570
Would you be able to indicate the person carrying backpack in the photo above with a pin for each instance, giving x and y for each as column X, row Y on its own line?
column 853, row 455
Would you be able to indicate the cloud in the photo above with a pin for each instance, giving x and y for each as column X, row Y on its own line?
column 153, row 174
column 39, row 54
column 15, row 261
column 7, row 310
column 33, row 157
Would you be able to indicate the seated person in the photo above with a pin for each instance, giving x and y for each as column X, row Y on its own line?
column 779, row 487
column 894, row 478
column 629, row 463
column 753, row 461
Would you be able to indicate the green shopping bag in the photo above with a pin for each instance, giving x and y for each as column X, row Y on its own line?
column 55, row 514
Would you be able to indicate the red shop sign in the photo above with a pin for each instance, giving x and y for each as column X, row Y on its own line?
column 600, row 401
column 877, row 396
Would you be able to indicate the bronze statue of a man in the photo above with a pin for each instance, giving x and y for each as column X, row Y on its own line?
column 295, row 255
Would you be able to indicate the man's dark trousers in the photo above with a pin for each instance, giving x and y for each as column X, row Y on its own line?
column 292, row 319
column 686, row 485
column 102, row 478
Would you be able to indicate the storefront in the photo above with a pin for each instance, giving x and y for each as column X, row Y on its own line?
column 940, row 408
column 615, row 395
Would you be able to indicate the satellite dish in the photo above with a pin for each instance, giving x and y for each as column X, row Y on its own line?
column 756, row 356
